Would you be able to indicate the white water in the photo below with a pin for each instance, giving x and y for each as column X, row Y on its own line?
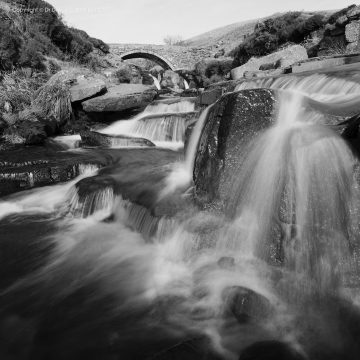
column 163, row 123
column 70, row 141
column 44, row 200
column 182, row 173
column 156, row 82
column 186, row 84
column 296, row 163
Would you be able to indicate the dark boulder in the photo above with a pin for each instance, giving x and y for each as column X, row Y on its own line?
column 246, row 305
column 271, row 350
column 234, row 121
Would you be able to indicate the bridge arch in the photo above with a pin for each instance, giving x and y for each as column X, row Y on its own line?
column 147, row 54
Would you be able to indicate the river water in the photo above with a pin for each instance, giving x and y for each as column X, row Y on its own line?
column 119, row 263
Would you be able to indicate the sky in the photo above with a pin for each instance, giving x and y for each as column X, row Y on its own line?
column 150, row 21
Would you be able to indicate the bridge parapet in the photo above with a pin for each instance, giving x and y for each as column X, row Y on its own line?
column 176, row 57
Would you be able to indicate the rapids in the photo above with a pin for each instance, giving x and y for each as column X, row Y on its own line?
column 120, row 263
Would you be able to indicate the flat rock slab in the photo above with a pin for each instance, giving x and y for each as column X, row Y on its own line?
column 93, row 138
column 121, row 97
column 87, row 88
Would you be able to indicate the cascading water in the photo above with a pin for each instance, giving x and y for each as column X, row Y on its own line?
column 163, row 123
column 182, row 173
column 156, row 82
column 200, row 274
column 186, row 84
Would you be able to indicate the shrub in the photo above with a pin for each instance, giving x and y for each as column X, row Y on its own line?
column 17, row 88
column 124, row 75
column 31, row 57
column 10, row 44
column 269, row 35
column 54, row 100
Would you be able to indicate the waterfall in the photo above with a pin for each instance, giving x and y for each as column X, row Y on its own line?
column 123, row 277
column 163, row 123
column 182, row 173
column 186, row 84
column 43, row 200
column 156, row 82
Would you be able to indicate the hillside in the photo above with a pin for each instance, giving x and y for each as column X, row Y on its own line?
column 28, row 34
column 228, row 37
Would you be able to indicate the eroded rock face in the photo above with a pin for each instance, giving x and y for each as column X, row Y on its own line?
column 121, row 97
column 233, row 122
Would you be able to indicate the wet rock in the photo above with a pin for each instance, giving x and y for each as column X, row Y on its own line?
column 87, row 88
column 232, row 123
column 93, row 138
column 246, row 305
column 208, row 97
column 270, row 350
column 120, row 98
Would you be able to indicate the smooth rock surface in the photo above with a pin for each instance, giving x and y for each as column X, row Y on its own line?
column 120, row 98
column 86, row 88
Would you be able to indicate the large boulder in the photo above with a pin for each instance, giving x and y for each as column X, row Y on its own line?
column 352, row 31
column 121, row 97
column 86, row 88
column 246, row 305
column 286, row 57
column 234, row 121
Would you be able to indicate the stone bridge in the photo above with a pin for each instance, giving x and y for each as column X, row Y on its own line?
column 169, row 57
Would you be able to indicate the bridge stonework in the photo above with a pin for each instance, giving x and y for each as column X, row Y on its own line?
column 169, row 57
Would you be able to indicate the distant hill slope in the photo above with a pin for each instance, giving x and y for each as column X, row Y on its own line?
column 228, row 37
